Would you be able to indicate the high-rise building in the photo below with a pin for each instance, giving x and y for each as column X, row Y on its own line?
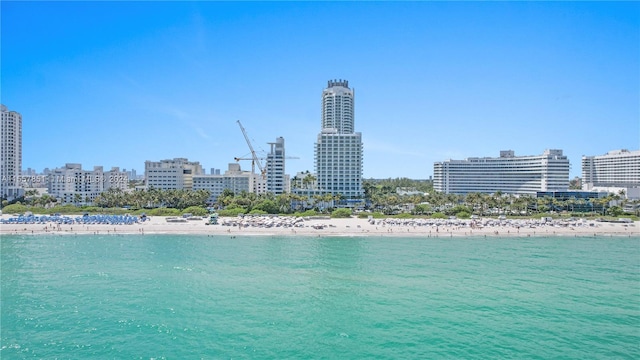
column 10, row 154
column 276, row 178
column 617, row 168
column 612, row 172
column 508, row 174
column 338, row 150
column 170, row 174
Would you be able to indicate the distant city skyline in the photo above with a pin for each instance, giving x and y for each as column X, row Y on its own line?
column 434, row 80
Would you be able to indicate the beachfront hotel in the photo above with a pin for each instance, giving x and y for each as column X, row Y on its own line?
column 614, row 171
column 234, row 179
column 508, row 174
column 338, row 150
column 72, row 184
column 11, row 154
column 171, row 174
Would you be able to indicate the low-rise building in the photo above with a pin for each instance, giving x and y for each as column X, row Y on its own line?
column 234, row 179
column 171, row 174
column 72, row 184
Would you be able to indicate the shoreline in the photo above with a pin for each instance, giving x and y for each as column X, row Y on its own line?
column 349, row 227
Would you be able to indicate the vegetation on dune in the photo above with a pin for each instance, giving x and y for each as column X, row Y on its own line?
column 196, row 211
column 375, row 215
column 152, row 198
column 306, row 213
column 232, row 211
column 15, row 209
column 164, row 212
column 341, row 213
column 382, row 198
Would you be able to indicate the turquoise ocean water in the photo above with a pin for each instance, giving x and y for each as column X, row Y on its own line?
column 183, row 297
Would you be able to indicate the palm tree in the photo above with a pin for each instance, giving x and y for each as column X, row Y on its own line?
column 474, row 200
column 32, row 192
column 528, row 202
column 295, row 182
column 299, row 201
column 317, row 201
column 621, row 198
column 498, row 201
column 284, row 202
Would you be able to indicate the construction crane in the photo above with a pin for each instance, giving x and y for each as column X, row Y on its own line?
column 254, row 158
column 263, row 158
column 258, row 159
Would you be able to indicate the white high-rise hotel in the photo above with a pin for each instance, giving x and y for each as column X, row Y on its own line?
column 617, row 168
column 338, row 151
column 612, row 172
column 508, row 174
column 10, row 154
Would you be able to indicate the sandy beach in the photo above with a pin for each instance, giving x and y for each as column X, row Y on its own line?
column 290, row 226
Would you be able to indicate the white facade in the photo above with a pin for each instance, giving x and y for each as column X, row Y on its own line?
column 275, row 166
column 508, row 174
column 171, row 174
column 10, row 154
column 233, row 179
column 615, row 172
column 618, row 168
column 338, row 150
column 338, row 107
column 72, row 184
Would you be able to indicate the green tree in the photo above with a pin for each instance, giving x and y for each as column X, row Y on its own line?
column 341, row 213
column 615, row 211
column 14, row 209
column 268, row 206
column 422, row 209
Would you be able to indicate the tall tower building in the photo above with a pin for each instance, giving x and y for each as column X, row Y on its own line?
column 275, row 167
column 338, row 150
column 10, row 154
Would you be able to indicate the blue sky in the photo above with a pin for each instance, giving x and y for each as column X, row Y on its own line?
column 118, row 83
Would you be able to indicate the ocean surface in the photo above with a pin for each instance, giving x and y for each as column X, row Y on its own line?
column 265, row 297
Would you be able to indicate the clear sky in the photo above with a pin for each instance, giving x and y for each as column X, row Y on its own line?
column 118, row 83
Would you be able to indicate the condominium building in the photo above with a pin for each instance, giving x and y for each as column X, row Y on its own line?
column 617, row 168
column 612, row 172
column 508, row 174
column 338, row 150
column 72, row 184
column 275, row 177
column 171, row 174
column 10, row 153
column 234, row 179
